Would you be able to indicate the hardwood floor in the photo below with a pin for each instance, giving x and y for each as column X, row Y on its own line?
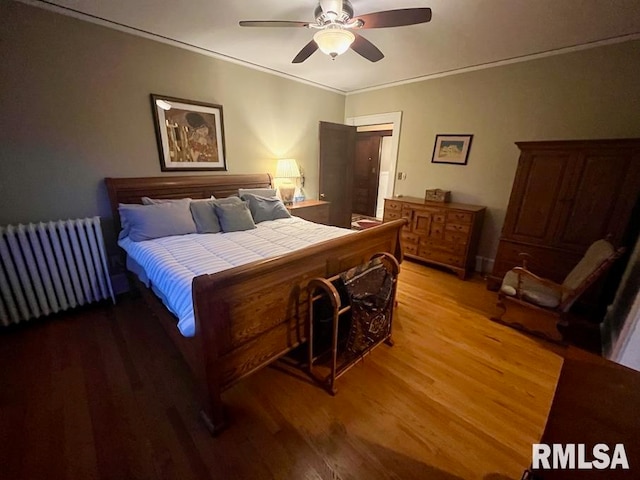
column 102, row 393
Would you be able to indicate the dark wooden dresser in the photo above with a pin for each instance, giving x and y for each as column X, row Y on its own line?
column 313, row 210
column 444, row 234
column 596, row 401
column 565, row 196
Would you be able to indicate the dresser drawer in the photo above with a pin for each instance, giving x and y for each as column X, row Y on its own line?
column 457, row 227
column 433, row 212
column 316, row 211
column 390, row 215
column 437, row 230
column 410, row 237
column 392, row 205
column 318, row 214
column 407, row 212
column 459, row 217
column 440, row 246
column 439, row 217
column 456, row 237
column 441, row 257
column 411, row 248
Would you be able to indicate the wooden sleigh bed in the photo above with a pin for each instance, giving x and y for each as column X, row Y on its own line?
column 248, row 316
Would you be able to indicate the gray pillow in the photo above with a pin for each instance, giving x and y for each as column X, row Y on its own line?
column 227, row 200
column 145, row 222
column 155, row 201
column 263, row 192
column 234, row 217
column 266, row 208
column 204, row 215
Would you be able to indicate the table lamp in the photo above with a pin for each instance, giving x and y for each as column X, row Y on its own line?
column 287, row 169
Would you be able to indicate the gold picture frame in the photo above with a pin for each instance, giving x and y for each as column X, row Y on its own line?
column 190, row 134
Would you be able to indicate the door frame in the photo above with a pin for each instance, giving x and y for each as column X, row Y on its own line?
column 394, row 118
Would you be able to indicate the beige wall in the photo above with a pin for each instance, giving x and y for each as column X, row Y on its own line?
column 588, row 94
column 75, row 107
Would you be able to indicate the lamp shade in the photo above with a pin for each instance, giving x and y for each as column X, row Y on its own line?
column 334, row 41
column 287, row 168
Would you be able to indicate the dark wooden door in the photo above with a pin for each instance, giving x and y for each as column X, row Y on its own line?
column 337, row 152
column 366, row 173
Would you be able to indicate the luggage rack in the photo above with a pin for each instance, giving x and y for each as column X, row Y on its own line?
column 361, row 300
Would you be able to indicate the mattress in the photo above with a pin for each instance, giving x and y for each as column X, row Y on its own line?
column 169, row 264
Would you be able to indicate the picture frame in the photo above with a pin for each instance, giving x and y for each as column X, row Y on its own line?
column 190, row 134
column 452, row 149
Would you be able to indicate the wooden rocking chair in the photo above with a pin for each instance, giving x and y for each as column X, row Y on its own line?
column 537, row 305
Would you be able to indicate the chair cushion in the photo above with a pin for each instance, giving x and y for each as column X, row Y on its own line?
column 548, row 298
column 532, row 291
column 597, row 253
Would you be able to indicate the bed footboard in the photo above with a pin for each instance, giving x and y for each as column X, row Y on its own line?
column 248, row 316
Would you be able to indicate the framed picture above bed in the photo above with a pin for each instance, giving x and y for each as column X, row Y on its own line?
column 190, row 134
column 452, row 148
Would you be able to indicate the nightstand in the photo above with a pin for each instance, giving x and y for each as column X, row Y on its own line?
column 313, row 210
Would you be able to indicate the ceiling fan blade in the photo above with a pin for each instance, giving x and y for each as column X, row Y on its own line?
column 272, row 23
column 368, row 50
column 395, row 18
column 306, row 52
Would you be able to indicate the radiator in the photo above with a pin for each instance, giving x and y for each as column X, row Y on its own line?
column 50, row 267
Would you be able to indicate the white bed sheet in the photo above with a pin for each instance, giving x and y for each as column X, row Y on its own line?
column 171, row 263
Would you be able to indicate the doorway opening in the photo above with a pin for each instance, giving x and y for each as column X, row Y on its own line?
column 386, row 126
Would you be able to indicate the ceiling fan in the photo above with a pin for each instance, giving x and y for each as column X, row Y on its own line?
column 334, row 22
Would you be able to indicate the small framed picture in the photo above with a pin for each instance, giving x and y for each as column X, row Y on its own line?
column 452, row 148
column 190, row 134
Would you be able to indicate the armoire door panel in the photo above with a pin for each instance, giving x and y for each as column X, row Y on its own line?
column 540, row 193
column 600, row 182
column 628, row 200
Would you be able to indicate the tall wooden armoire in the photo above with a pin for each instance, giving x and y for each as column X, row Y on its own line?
column 565, row 196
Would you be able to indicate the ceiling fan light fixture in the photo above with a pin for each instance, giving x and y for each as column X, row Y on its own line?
column 334, row 41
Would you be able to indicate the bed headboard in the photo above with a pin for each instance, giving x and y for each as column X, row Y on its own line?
column 130, row 190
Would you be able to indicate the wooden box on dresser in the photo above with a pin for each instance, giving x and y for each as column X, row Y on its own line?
column 444, row 234
column 565, row 196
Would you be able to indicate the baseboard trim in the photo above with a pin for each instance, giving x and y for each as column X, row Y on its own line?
column 484, row 265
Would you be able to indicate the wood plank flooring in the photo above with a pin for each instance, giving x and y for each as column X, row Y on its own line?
column 103, row 393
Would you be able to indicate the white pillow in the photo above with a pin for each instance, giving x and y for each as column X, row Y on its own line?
column 263, row 192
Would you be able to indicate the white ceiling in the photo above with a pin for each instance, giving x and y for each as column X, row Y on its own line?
column 462, row 35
